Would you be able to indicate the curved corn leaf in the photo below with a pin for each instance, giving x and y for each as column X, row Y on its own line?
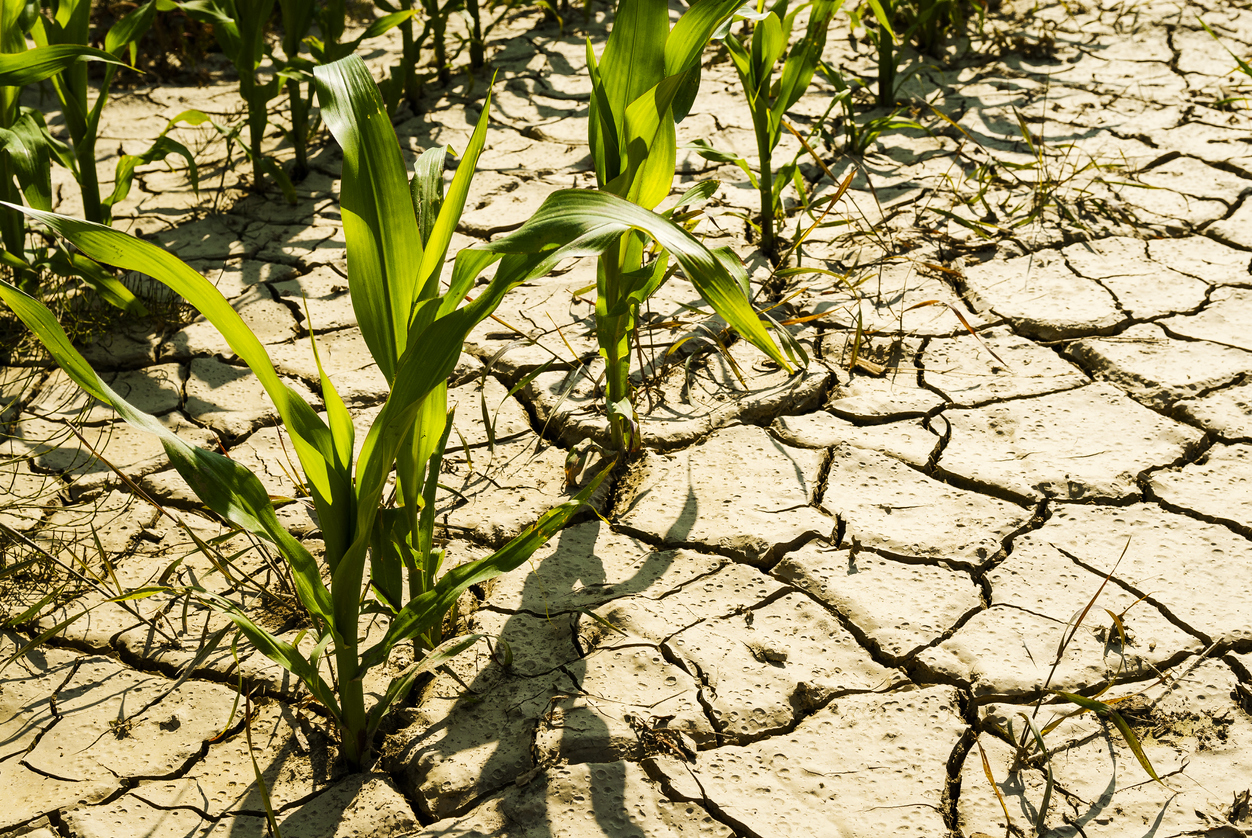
column 379, row 225
column 584, row 222
column 426, row 611
column 27, row 148
column 224, row 485
column 331, row 487
column 23, row 68
column 159, row 150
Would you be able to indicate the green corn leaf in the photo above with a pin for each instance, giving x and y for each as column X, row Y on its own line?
column 427, row 189
column 161, row 149
column 27, row 147
column 110, row 289
column 578, row 222
column 34, row 65
column 400, row 686
column 331, row 488
column 125, row 33
column 602, row 134
column 692, row 33
column 768, row 44
column 379, row 225
column 1041, row 818
column 384, row 24
column 450, row 209
column 426, row 611
column 280, row 651
column 651, row 145
column 634, row 56
column 802, row 62
column 225, row 486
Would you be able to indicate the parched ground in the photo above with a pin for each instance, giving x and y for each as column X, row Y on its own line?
column 842, row 599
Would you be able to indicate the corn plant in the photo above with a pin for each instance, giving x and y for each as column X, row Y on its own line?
column 645, row 81
column 768, row 100
column 858, row 135
column 397, row 235
column 328, row 46
column 27, row 147
column 415, row 334
column 239, row 27
column 68, row 25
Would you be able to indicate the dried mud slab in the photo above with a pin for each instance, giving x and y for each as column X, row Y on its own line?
column 908, row 440
column 612, row 800
column 459, row 745
column 1217, row 486
column 680, row 403
column 968, row 375
column 1043, row 297
column 588, row 565
column 619, row 691
column 764, row 668
column 1143, row 288
column 1159, row 370
column 1224, row 320
column 1012, row 647
column 1226, row 412
column 1194, row 571
column 658, row 615
column 1194, row 734
column 294, row 764
column 796, row 784
column 1088, row 443
column 899, row 607
column 894, row 509
column 706, row 496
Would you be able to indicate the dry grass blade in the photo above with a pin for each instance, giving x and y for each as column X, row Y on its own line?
column 960, row 317
column 1047, row 762
column 986, row 769
column 1074, row 624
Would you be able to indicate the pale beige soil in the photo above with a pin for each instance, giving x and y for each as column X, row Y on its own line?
column 839, row 594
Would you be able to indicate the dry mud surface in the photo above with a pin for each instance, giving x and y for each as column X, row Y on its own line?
column 838, row 596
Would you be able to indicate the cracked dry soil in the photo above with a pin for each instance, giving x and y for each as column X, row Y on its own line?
column 839, row 596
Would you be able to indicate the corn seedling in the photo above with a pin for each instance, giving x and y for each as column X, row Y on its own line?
column 67, row 24
column 395, row 253
column 239, row 27
column 755, row 59
column 397, row 236
column 27, row 146
column 858, row 135
column 645, row 81
column 299, row 17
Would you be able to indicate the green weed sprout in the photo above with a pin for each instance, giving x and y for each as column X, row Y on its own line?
column 769, row 100
column 645, row 81
column 1243, row 66
column 27, row 147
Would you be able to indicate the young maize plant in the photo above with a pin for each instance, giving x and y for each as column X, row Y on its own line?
column 331, row 18
column 27, row 147
column 397, row 235
column 645, row 81
column 239, row 27
column 769, row 100
column 415, row 333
